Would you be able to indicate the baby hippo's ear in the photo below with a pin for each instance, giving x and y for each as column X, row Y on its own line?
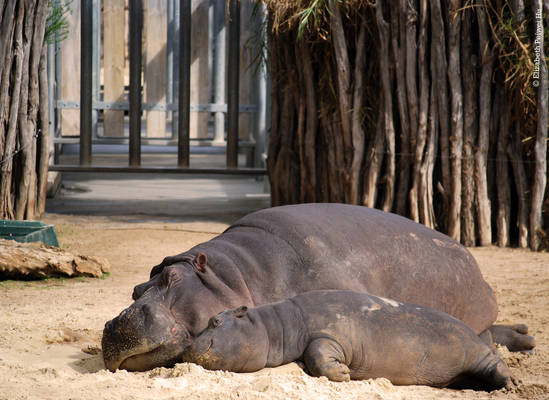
column 200, row 262
column 240, row 311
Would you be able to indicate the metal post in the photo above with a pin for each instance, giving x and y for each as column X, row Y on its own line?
column 170, row 44
column 57, row 96
column 136, row 32
column 184, row 84
column 175, row 65
column 233, row 83
column 262, row 98
column 96, row 63
column 86, row 81
column 219, row 68
column 51, row 94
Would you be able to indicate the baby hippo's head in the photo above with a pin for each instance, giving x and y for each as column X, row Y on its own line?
column 235, row 340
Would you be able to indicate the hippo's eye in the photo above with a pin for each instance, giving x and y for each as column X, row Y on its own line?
column 170, row 276
column 215, row 322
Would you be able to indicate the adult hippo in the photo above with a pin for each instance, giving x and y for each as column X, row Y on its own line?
column 277, row 253
column 347, row 335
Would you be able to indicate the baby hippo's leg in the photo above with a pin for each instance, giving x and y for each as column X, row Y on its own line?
column 324, row 357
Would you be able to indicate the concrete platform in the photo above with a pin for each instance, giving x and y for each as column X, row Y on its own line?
column 134, row 197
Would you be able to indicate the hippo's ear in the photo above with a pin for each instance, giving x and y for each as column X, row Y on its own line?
column 200, row 262
column 240, row 311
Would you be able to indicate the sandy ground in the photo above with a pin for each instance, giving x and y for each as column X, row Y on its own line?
column 50, row 331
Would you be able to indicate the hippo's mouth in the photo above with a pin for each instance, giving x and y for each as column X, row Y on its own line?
column 147, row 354
column 155, row 357
column 197, row 352
column 210, row 344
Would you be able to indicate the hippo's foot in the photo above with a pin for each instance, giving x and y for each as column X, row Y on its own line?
column 324, row 357
column 514, row 337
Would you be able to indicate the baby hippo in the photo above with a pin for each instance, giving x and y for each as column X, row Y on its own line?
column 347, row 335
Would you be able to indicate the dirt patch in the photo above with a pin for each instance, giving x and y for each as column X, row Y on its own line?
column 50, row 331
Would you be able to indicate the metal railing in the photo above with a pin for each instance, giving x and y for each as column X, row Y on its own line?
column 135, row 106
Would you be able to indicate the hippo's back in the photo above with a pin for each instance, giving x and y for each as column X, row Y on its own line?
column 338, row 246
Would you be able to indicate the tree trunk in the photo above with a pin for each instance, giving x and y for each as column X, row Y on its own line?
column 456, row 137
column 396, row 98
column 383, row 29
column 540, row 149
column 470, row 126
column 376, row 157
column 398, row 23
column 502, row 177
column 37, row 261
column 411, row 91
column 485, row 88
column 22, row 28
column 421, row 133
column 438, row 36
column 426, row 211
column 44, row 134
column 6, row 198
column 34, row 105
column 5, row 69
column 344, row 92
column 519, row 173
column 25, row 128
column 356, row 126
column 308, row 177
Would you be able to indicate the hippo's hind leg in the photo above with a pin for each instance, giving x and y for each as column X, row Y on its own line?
column 514, row 337
column 324, row 357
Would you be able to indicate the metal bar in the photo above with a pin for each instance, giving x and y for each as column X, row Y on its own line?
column 58, row 83
column 184, row 84
column 170, row 43
column 219, row 68
column 136, row 32
column 211, row 45
column 124, row 105
column 175, row 68
column 199, row 142
column 233, row 70
column 51, row 91
column 172, row 170
column 86, row 81
column 57, row 95
column 96, row 60
column 262, row 116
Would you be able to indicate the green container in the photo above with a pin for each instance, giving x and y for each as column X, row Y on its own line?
column 28, row 231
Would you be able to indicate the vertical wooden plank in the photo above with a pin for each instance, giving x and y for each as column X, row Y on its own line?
column 155, row 31
column 114, row 26
column 70, row 72
column 199, row 67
